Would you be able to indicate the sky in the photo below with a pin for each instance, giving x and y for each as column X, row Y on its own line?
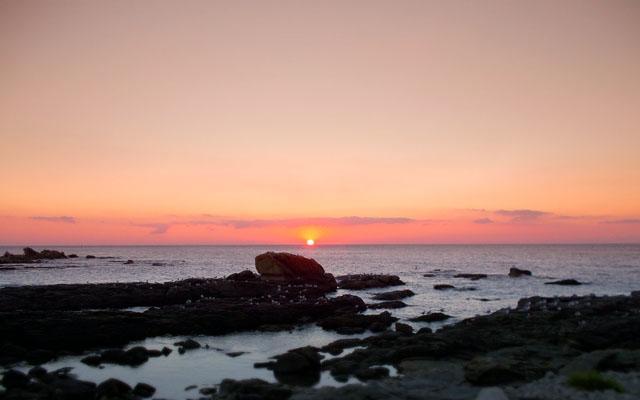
column 220, row 122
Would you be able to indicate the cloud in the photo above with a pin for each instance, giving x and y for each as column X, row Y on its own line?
column 296, row 222
column 629, row 221
column 483, row 221
column 63, row 218
column 156, row 229
column 522, row 214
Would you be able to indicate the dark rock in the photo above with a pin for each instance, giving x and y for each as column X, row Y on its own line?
column 93, row 360
column 431, row 317
column 300, row 360
column 144, row 390
column 473, row 277
column 14, row 379
column 89, row 256
column 338, row 346
column 112, row 388
column 423, row 330
column 66, row 387
column 404, row 328
column 208, row 391
column 72, row 256
column 387, row 305
column 517, row 272
column 188, row 344
column 253, row 389
column 287, row 267
column 29, row 255
column 372, row 373
column 394, row 295
column 357, row 323
column 367, row 281
column 166, row 351
column 39, row 356
column 128, row 262
column 443, row 287
column 245, row 275
column 37, row 372
column 484, row 371
column 235, row 354
column 429, row 275
column 564, row 282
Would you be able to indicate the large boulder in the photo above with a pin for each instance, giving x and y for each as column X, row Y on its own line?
column 287, row 267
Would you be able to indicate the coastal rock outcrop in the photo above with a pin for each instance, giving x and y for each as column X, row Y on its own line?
column 517, row 272
column 367, row 281
column 287, row 267
column 565, row 282
column 30, row 255
column 394, row 295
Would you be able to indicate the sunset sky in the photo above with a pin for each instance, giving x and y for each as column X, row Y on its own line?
column 196, row 122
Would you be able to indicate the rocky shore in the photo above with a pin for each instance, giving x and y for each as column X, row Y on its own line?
column 544, row 348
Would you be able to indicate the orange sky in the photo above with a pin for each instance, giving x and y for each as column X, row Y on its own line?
column 127, row 122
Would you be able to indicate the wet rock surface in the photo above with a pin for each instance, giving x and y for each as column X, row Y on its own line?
column 394, row 295
column 564, row 282
column 367, row 281
column 473, row 277
column 387, row 305
column 39, row 331
column 517, row 272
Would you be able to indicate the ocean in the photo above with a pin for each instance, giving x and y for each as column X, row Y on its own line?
column 603, row 270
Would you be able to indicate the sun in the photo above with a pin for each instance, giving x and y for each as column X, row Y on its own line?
column 310, row 242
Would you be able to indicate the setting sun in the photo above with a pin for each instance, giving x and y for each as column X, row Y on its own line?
column 310, row 242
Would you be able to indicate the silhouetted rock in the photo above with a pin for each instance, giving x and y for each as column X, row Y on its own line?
column 30, row 255
column 404, row 328
column 431, row 317
column 72, row 256
column 128, row 262
column 245, row 275
column 357, row 323
column 371, row 373
column 112, row 388
column 251, row 389
column 564, row 282
column 387, row 305
column 188, row 344
column 394, row 295
column 473, row 277
column 517, row 272
column 90, row 257
column 367, row 281
column 144, row 390
column 14, row 379
column 287, row 267
column 443, row 286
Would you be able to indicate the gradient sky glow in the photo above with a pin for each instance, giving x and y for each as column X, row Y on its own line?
column 133, row 122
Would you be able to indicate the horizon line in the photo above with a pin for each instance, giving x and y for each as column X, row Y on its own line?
column 302, row 244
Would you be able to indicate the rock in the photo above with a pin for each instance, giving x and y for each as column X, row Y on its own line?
column 188, row 344
column 234, row 354
column 357, row 323
column 431, row 317
column 144, row 390
column 135, row 356
column 287, row 267
column 166, row 351
column 300, row 360
column 335, row 348
column 39, row 356
column 112, row 388
column 404, row 328
column 443, row 287
column 473, row 277
column 128, row 262
column 387, row 305
column 30, row 255
column 367, row 281
column 72, row 256
column 394, row 295
column 564, row 282
column 429, row 275
column 208, row 391
column 486, row 371
column 37, row 372
column 66, row 387
column 93, row 360
column 14, row 379
column 252, row 389
column 245, row 275
column 90, row 257
column 517, row 272
column 372, row 373
column 491, row 393
column 424, row 330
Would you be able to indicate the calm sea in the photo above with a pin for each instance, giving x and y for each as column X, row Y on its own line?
column 605, row 270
